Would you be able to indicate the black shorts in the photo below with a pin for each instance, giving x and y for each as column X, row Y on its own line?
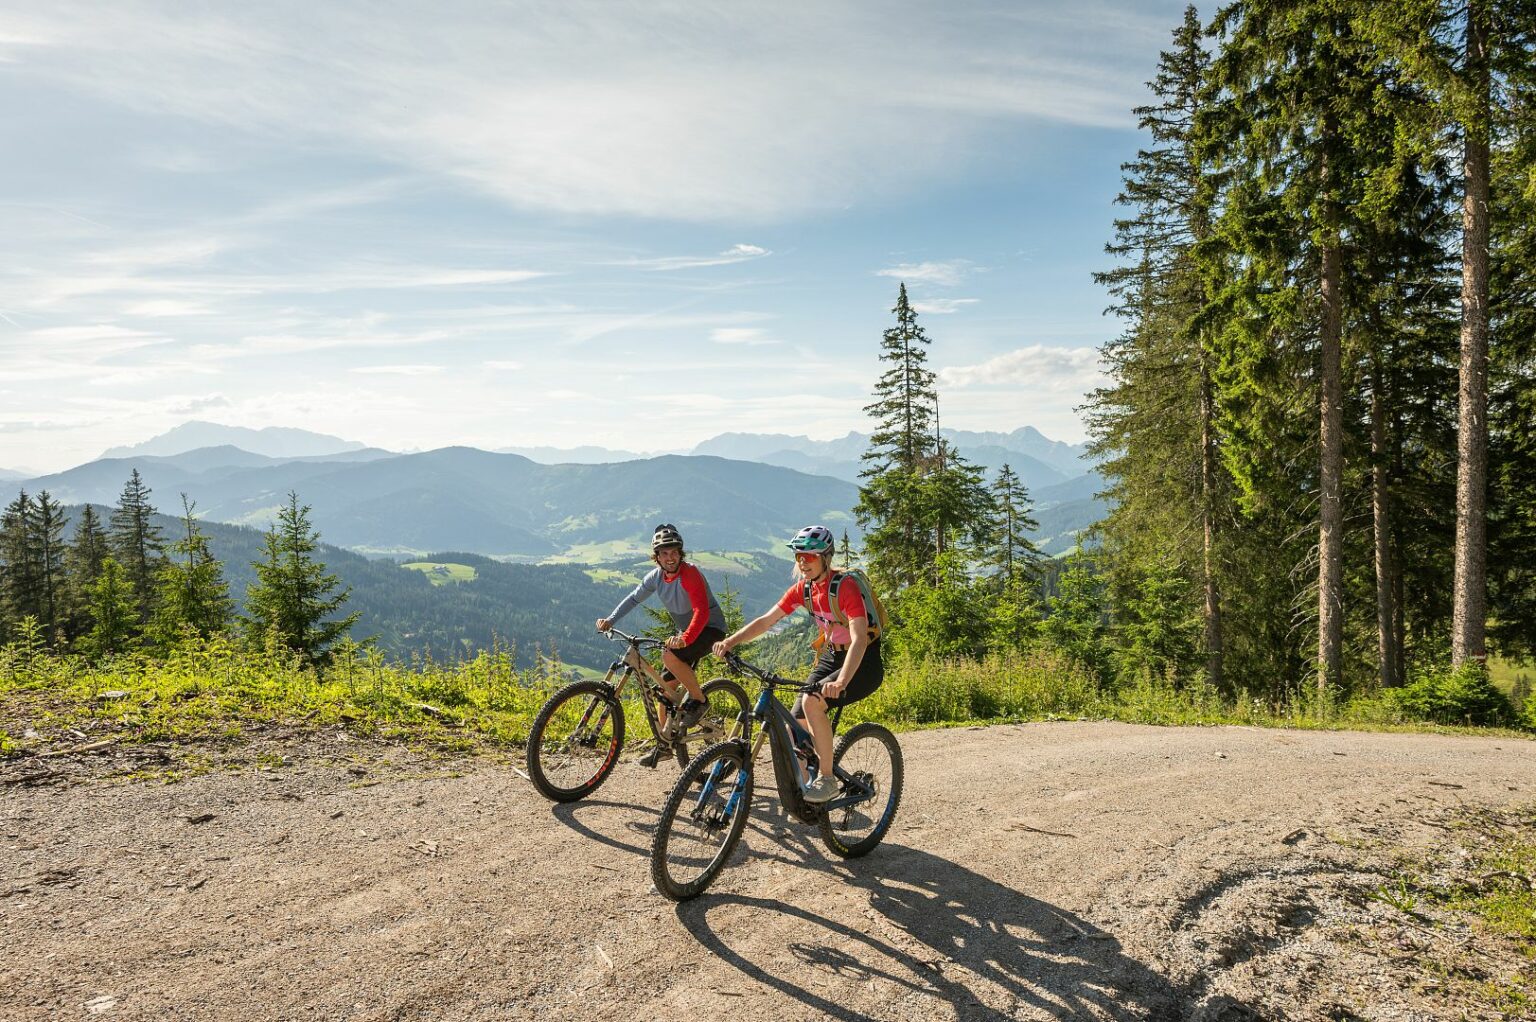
column 695, row 651
column 866, row 679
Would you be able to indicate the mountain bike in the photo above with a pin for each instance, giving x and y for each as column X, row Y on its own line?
column 700, row 826
column 577, row 734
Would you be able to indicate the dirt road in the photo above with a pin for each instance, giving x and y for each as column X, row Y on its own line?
column 1071, row 870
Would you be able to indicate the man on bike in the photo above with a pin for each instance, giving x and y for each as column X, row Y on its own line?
column 849, row 667
column 695, row 612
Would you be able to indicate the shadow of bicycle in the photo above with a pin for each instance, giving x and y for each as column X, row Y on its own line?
column 940, row 933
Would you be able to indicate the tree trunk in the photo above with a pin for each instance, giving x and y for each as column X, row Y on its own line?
column 1386, row 614
column 1330, row 538
column 1213, row 638
column 1468, row 618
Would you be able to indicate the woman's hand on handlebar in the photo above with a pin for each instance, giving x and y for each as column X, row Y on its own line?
column 721, row 648
column 604, row 623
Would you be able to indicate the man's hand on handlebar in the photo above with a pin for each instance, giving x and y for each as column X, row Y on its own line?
column 675, row 642
column 604, row 623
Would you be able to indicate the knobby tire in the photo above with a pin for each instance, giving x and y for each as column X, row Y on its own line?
column 692, row 845
column 558, row 762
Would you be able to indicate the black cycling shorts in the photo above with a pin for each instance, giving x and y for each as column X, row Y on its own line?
column 866, row 679
column 696, row 650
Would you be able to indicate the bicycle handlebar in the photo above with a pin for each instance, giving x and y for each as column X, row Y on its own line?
column 734, row 661
column 641, row 641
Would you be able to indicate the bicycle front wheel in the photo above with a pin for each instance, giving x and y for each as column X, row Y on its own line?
column 575, row 741
column 727, row 702
column 700, row 827
column 870, row 754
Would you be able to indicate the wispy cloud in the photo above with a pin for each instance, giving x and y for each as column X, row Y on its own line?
column 750, row 336
column 503, row 365
column 397, row 370
column 943, row 306
column 1037, row 366
column 643, row 110
column 734, row 254
column 944, row 274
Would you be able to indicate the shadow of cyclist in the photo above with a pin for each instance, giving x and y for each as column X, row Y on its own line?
column 772, row 833
column 942, row 932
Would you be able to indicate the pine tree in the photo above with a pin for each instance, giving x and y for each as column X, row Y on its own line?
column 897, row 540
column 293, row 594
column 1299, row 111
column 136, row 542
column 192, row 595
column 82, row 567
column 1156, row 425
column 18, row 574
column 48, row 550
column 1014, row 555
column 114, row 611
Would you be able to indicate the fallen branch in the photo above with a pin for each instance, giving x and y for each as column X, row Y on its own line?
column 88, row 747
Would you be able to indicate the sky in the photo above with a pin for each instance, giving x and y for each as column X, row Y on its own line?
column 635, row 225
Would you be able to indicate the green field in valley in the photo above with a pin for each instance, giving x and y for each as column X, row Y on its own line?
column 441, row 574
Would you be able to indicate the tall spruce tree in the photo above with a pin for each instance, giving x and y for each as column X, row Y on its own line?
column 1156, row 424
column 293, row 595
column 1299, row 96
column 137, row 543
column 898, row 541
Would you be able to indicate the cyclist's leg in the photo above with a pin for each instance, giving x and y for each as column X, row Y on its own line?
column 865, row 680
column 681, row 670
column 812, row 706
column 680, row 663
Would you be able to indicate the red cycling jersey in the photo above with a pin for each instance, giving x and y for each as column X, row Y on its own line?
column 848, row 598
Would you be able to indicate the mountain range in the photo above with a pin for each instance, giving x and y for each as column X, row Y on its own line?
column 736, row 491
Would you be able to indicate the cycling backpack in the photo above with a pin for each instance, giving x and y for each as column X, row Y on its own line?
column 878, row 619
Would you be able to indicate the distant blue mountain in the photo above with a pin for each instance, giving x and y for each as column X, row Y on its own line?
column 274, row 442
column 1038, row 460
column 505, row 505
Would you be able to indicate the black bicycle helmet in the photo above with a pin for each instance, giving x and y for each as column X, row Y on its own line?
column 666, row 535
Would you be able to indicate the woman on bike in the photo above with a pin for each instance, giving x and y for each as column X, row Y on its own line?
column 849, row 667
column 695, row 612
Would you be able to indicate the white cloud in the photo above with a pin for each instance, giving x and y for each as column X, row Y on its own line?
column 944, row 274
column 397, row 370
column 504, row 365
column 1036, row 366
column 943, row 306
column 751, row 336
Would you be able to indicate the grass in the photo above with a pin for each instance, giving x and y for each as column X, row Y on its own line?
column 441, row 574
column 214, row 690
column 1488, row 880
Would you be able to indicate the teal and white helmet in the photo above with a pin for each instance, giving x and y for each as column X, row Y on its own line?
column 813, row 539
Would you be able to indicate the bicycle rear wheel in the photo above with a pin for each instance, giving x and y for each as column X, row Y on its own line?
column 699, row 829
column 575, row 740
column 870, row 753
column 727, row 702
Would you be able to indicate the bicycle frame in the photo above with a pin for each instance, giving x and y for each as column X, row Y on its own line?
column 779, row 725
column 626, row 667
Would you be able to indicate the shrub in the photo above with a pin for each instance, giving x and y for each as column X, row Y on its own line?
column 1461, row 695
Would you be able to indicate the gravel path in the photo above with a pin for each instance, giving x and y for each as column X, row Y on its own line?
column 1067, row 870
